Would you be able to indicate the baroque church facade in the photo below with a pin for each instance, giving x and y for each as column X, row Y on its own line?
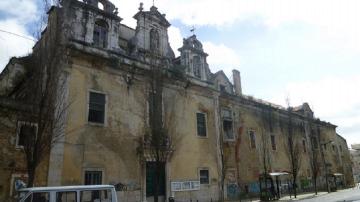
column 218, row 140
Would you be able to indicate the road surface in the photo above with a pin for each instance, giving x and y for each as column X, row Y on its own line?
column 348, row 195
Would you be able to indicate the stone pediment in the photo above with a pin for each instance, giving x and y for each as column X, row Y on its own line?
column 153, row 14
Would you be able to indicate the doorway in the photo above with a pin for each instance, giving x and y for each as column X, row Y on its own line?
column 150, row 181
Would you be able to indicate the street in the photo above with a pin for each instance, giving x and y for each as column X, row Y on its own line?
column 348, row 195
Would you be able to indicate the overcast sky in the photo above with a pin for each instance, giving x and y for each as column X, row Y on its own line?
column 306, row 50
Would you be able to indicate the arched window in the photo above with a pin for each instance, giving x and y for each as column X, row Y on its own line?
column 154, row 40
column 197, row 66
column 100, row 33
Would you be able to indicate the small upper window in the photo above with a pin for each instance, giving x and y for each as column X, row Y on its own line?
column 314, row 142
column 304, row 145
column 252, row 139
column 227, row 124
column 201, row 124
column 26, row 132
column 222, row 88
column 96, row 107
column 197, row 66
column 154, row 40
column 100, row 33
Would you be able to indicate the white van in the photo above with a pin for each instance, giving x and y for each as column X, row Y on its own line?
column 85, row 193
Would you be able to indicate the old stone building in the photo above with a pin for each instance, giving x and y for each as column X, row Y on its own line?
column 217, row 140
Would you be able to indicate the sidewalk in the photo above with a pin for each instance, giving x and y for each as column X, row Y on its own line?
column 301, row 196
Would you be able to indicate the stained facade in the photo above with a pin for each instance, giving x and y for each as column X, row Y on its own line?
column 219, row 140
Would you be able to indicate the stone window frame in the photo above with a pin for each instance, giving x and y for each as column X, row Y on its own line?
column 93, row 169
column 106, row 27
column 232, row 124
column 206, row 124
column 199, row 174
column 105, row 108
column 18, row 129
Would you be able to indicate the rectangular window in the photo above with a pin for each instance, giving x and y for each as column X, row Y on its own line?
column 204, row 176
column 95, row 195
column 201, row 124
column 222, row 88
column 252, row 139
column 304, row 145
column 227, row 124
column 93, row 177
column 273, row 142
column 26, row 132
column 96, row 107
column 69, row 196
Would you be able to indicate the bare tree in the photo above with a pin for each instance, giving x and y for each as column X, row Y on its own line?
column 293, row 149
column 266, row 130
column 314, row 156
column 44, row 89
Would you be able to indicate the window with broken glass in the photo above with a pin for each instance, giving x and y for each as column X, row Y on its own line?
column 100, row 33
column 96, row 108
column 227, row 124
column 201, row 124
column 26, row 131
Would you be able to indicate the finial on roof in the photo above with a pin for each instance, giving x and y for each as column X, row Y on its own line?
column 141, row 8
column 153, row 2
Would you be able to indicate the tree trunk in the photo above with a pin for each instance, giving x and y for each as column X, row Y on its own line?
column 31, row 173
column 315, row 186
column 294, row 187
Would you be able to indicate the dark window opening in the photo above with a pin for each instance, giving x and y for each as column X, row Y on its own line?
column 304, row 145
column 93, row 177
column 204, row 176
column 201, row 124
column 27, row 132
column 100, row 34
column 96, row 108
column 222, row 88
column 273, row 142
column 252, row 139
column 66, row 196
column 197, row 66
column 154, row 40
column 228, row 129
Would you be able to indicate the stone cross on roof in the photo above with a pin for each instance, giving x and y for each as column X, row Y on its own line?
column 192, row 30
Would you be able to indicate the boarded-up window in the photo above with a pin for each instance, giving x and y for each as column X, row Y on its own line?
column 93, row 177
column 204, row 176
column 273, row 142
column 252, row 139
column 201, row 124
column 96, row 107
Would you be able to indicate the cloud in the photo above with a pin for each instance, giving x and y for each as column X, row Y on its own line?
column 333, row 99
column 14, row 19
column 175, row 39
column 221, row 57
column 12, row 45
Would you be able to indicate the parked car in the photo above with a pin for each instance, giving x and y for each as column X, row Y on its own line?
column 84, row 193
